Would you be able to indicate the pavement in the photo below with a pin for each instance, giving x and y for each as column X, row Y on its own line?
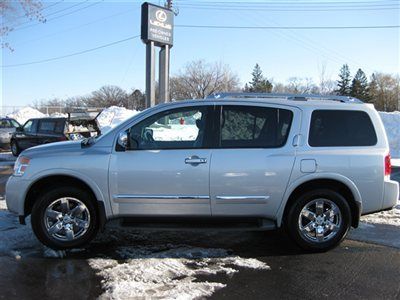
column 216, row 265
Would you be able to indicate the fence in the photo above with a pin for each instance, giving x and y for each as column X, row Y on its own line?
column 48, row 110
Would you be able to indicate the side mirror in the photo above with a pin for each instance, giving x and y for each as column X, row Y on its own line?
column 19, row 129
column 123, row 140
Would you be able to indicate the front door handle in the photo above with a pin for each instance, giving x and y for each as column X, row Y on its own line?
column 195, row 160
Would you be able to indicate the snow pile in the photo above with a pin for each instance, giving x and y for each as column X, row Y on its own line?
column 175, row 133
column 112, row 116
column 391, row 121
column 25, row 113
column 167, row 272
column 390, row 217
column 58, row 115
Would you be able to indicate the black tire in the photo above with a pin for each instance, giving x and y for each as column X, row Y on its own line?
column 292, row 220
column 15, row 150
column 48, row 197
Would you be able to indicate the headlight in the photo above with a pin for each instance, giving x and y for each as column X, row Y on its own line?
column 21, row 165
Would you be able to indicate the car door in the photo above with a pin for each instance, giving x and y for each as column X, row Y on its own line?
column 50, row 131
column 252, row 164
column 165, row 169
column 27, row 137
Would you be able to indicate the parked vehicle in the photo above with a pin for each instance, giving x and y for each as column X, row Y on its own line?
column 40, row 131
column 310, row 164
column 7, row 128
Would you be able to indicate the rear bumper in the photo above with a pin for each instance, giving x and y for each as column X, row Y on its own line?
column 391, row 194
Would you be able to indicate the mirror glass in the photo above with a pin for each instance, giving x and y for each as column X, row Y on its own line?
column 123, row 139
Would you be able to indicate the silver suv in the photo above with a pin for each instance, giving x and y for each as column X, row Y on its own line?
column 309, row 164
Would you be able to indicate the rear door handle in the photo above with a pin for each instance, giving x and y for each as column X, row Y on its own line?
column 195, row 160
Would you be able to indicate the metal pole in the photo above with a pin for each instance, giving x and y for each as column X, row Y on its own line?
column 150, row 75
column 164, row 74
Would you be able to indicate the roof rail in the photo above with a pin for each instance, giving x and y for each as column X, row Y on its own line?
column 296, row 97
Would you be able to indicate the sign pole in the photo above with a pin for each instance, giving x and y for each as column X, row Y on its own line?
column 164, row 74
column 157, row 30
column 150, row 75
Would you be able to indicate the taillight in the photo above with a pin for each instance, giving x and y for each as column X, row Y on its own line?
column 62, row 138
column 388, row 165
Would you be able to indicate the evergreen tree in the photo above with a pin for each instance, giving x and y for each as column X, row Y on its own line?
column 359, row 86
column 344, row 88
column 258, row 84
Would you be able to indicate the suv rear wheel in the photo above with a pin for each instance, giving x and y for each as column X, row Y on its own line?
column 64, row 218
column 319, row 220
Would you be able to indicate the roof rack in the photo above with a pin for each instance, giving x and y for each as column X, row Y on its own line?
column 296, row 97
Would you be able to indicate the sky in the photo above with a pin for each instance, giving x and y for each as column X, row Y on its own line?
column 73, row 27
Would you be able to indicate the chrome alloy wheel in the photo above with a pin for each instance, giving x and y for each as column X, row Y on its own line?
column 67, row 219
column 320, row 220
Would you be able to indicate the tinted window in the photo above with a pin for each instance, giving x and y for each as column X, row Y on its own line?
column 46, row 126
column 15, row 123
column 173, row 129
column 331, row 128
column 254, row 127
column 5, row 123
column 29, row 127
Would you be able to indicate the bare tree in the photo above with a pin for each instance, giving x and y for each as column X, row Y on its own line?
column 199, row 79
column 14, row 12
column 385, row 91
column 326, row 86
column 296, row 85
column 108, row 95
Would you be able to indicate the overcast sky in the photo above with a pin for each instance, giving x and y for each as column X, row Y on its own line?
column 77, row 26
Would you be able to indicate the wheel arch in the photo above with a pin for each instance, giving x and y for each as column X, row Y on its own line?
column 335, row 182
column 54, row 180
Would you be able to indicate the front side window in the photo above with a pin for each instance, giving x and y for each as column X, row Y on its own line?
column 333, row 128
column 254, row 127
column 15, row 123
column 173, row 129
column 28, row 127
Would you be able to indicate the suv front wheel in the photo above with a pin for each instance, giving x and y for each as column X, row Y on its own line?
column 319, row 220
column 65, row 217
column 15, row 150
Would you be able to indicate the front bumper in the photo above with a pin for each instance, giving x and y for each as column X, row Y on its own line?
column 16, row 189
column 391, row 194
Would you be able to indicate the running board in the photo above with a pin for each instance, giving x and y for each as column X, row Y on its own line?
column 195, row 223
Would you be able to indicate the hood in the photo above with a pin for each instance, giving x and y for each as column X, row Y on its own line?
column 59, row 148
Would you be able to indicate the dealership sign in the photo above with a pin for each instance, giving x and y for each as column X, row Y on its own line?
column 157, row 24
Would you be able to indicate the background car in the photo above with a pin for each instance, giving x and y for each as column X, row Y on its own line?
column 49, row 130
column 7, row 128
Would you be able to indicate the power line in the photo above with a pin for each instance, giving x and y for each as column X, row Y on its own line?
column 44, row 8
column 60, row 16
column 288, row 27
column 71, row 54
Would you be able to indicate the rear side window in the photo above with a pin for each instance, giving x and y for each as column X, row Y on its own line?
column 46, row 126
column 331, row 128
column 254, row 127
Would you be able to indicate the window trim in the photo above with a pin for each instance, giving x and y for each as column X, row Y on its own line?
column 341, row 146
column 207, row 141
column 219, row 131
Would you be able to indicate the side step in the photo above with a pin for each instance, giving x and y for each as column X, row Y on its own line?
column 195, row 223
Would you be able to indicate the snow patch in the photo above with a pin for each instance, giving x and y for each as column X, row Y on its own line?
column 390, row 217
column 391, row 121
column 112, row 116
column 169, row 272
column 14, row 236
column 23, row 114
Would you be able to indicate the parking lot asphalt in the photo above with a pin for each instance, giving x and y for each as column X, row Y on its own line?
column 355, row 269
